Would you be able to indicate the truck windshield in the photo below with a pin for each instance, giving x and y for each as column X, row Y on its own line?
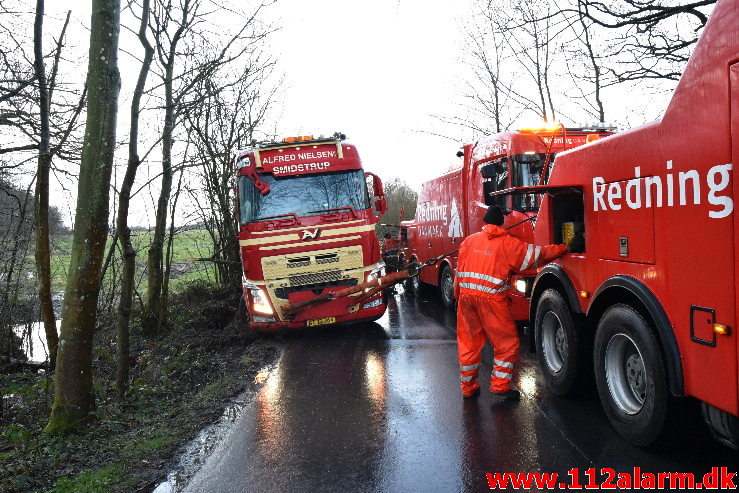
column 526, row 172
column 303, row 195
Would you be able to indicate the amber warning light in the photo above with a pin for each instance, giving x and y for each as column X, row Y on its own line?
column 301, row 138
column 543, row 126
column 721, row 329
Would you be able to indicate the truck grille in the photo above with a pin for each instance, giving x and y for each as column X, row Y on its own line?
column 283, row 293
column 327, row 258
column 294, row 262
column 316, row 278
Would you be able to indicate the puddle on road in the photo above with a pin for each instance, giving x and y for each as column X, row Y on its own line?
column 197, row 451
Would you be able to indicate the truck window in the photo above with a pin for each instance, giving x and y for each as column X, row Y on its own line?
column 495, row 174
column 526, row 171
column 303, row 195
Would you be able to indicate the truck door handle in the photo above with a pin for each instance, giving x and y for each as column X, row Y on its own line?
column 429, row 244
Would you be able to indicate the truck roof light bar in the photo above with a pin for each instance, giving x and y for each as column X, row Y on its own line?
column 301, row 138
column 297, row 140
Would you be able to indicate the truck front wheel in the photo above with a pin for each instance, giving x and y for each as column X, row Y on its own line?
column 630, row 375
column 557, row 342
column 446, row 286
column 417, row 287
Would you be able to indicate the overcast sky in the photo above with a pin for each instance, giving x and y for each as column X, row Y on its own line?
column 376, row 71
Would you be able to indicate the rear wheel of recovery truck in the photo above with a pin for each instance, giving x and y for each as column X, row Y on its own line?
column 630, row 375
column 446, row 287
column 558, row 344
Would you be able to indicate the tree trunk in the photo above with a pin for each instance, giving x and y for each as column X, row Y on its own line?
column 155, row 308
column 123, row 318
column 168, row 257
column 73, row 394
column 43, row 250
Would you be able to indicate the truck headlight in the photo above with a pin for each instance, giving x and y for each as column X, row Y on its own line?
column 259, row 302
column 521, row 286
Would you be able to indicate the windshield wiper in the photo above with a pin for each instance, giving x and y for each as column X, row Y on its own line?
column 288, row 214
column 347, row 208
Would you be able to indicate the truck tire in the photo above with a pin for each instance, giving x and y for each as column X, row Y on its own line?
column 416, row 287
column 446, row 287
column 558, row 344
column 630, row 375
column 413, row 285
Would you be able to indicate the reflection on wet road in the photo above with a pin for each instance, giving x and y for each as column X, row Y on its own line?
column 377, row 407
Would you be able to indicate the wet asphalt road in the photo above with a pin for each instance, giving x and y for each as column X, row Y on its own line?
column 377, row 407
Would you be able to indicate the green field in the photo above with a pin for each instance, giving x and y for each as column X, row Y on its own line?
column 187, row 245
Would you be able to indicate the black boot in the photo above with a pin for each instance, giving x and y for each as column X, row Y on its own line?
column 511, row 394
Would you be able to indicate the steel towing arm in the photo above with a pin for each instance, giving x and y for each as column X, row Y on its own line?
column 372, row 287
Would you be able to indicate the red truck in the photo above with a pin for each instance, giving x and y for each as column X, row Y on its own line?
column 451, row 207
column 649, row 304
column 307, row 227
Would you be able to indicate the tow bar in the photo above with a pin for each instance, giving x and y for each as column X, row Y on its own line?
column 373, row 287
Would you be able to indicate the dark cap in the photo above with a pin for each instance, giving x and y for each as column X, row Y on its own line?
column 494, row 216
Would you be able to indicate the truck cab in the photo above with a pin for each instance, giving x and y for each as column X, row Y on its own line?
column 307, row 213
column 452, row 206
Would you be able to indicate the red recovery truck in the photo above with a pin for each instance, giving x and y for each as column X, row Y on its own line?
column 451, row 207
column 307, row 228
column 649, row 305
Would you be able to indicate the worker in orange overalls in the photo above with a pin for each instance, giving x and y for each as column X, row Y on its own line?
column 486, row 261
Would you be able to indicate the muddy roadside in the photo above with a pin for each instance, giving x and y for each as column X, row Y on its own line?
column 182, row 380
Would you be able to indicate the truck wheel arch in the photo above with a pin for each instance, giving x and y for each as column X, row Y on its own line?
column 445, row 263
column 552, row 276
column 629, row 290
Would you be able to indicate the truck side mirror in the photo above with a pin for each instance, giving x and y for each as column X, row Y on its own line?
column 494, row 168
column 488, row 187
column 378, row 196
column 488, row 171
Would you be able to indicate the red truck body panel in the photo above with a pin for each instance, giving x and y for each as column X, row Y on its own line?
column 667, row 188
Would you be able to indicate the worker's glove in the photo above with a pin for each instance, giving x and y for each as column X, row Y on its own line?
column 576, row 243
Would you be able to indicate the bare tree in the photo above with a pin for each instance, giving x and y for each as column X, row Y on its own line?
column 123, row 318
column 586, row 66
column 168, row 31
column 16, row 225
column 510, row 53
column 401, row 203
column 73, row 394
column 45, row 156
column 530, row 38
column 21, row 115
column 649, row 43
column 486, row 105
column 16, row 70
column 177, row 41
column 224, row 122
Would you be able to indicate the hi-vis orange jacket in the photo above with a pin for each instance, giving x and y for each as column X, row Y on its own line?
column 488, row 258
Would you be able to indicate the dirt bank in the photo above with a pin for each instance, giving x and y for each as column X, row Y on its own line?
column 181, row 381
